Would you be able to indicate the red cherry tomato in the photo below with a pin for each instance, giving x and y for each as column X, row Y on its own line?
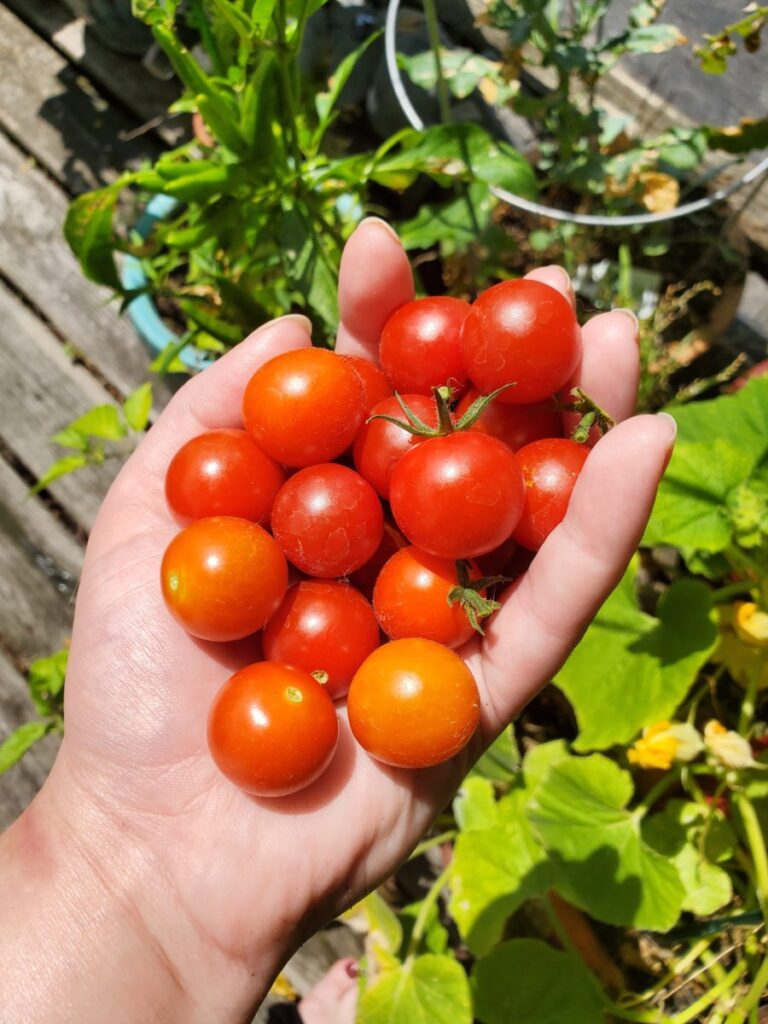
column 376, row 387
column 411, row 598
column 365, row 577
column 223, row 577
column 550, row 469
column 419, row 346
column 328, row 520
column 457, row 496
column 380, row 444
column 304, row 407
column 515, row 425
column 413, row 704
column 222, row 473
column 272, row 729
column 521, row 331
column 326, row 627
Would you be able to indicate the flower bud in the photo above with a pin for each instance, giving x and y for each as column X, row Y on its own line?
column 726, row 746
column 665, row 742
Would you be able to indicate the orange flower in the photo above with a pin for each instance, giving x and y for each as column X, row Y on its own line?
column 665, row 742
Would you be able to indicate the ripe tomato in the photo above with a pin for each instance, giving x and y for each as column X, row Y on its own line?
column 522, row 331
column 328, row 520
column 272, row 729
column 550, row 468
column 515, row 425
column 375, row 384
column 379, row 444
column 457, row 496
column 327, row 627
column 304, row 406
column 413, row 704
column 365, row 577
column 411, row 598
column 223, row 577
column 222, row 473
column 419, row 346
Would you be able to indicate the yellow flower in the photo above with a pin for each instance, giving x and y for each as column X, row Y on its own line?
column 726, row 746
column 751, row 624
column 665, row 742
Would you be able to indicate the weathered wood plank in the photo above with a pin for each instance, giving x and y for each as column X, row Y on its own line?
column 41, row 390
column 122, row 77
column 37, row 261
column 19, row 785
column 58, row 116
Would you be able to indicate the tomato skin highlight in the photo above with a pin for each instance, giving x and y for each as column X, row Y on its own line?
column 515, row 425
column 457, row 496
column 411, row 598
column 550, row 470
column 304, row 407
column 328, row 520
column 325, row 626
column 222, row 473
column 223, row 577
column 521, row 331
column 413, row 704
column 376, row 387
column 420, row 347
column 272, row 729
column 380, row 444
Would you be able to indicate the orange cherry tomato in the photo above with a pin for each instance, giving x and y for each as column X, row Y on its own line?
column 304, row 407
column 223, row 577
column 272, row 729
column 413, row 704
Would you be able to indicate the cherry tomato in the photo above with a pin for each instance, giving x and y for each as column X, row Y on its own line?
column 413, row 704
column 521, row 331
column 365, row 577
column 223, row 577
column 515, row 425
column 326, row 627
column 457, row 496
column 328, row 520
column 304, row 407
column 420, row 347
column 222, row 473
column 379, row 444
column 376, row 387
column 272, row 729
column 411, row 598
column 550, row 469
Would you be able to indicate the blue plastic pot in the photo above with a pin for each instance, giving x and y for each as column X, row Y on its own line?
column 142, row 310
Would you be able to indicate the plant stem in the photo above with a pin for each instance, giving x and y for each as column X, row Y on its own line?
column 665, row 782
column 748, row 704
column 433, row 32
column 732, row 590
column 752, row 998
column 692, row 1012
column 756, row 843
column 427, row 844
column 426, row 906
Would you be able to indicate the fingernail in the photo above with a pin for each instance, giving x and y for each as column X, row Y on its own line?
column 565, row 276
column 352, row 969
column 299, row 318
column 672, row 435
column 383, row 224
column 631, row 315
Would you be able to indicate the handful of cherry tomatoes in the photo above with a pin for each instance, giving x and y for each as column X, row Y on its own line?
column 398, row 496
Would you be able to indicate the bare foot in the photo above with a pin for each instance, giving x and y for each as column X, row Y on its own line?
column 333, row 1000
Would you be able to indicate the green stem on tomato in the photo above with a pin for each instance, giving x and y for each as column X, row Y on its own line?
column 422, row 917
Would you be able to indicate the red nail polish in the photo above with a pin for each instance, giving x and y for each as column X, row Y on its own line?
column 352, row 969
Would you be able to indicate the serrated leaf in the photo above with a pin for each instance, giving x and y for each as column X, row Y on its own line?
column 430, row 989
column 474, row 806
column 137, row 407
column 63, row 466
column 19, row 742
column 525, row 981
column 102, row 421
column 579, row 813
column 539, row 759
column 632, row 669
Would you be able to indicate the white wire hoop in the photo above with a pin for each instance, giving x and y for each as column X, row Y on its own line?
column 593, row 219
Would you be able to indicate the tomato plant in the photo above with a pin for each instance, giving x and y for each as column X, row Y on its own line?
column 304, row 407
column 550, row 469
column 222, row 473
column 328, row 520
column 223, row 577
column 420, row 347
column 323, row 627
column 523, row 332
column 380, row 443
column 515, row 425
column 413, row 704
column 272, row 729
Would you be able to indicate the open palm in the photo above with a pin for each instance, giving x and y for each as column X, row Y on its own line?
column 252, row 877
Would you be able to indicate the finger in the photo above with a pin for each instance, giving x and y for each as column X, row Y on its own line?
column 610, row 364
column 545, row 613
column 375, row 279
column 556, row 278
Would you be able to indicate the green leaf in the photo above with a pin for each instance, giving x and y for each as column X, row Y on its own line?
column 579, row 813
column 463, row 70
column 632, row 669
column 69, row 438
column 539, row 759
column 493, row 871
column 168, row 360
column 430, row 989
column 261, row 15
column 525, row 981
column 137, row 407
column 652, row 39
column 101, row 421
column 45, row 679
column 18, row 743
column 675, row 832
column 326, row 101
column 88, row 231
column 384, row 930
column 501, row 761
column 750, row 133
column 62, row 467
column 450, row 224
column 309, row 266
column 474, row 806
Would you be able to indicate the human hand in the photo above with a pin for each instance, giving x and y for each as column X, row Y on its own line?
column 220, row 887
